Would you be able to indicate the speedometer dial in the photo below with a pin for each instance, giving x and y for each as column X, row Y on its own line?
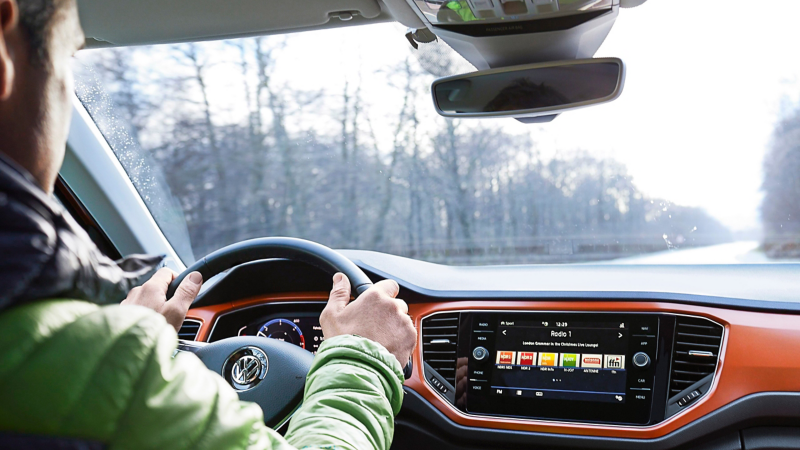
column 283, row 330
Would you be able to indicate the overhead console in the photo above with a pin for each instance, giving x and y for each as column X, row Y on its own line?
column 634, row 369
column 503, row 33
column 505, row 11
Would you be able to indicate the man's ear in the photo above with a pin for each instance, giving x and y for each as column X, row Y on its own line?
column 8, row 23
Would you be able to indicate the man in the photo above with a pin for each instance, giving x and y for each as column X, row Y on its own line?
column 77, row 375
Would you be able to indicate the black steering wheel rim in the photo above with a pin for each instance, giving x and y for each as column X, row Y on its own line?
column 312, row 253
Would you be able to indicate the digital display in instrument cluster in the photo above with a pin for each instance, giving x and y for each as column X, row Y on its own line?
column 304, row 332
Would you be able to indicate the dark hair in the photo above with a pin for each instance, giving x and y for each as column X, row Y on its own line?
column 36, row 17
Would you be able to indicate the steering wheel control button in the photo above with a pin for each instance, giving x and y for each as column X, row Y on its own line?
column 245, row 368
column 480, row 353
column 641, row 360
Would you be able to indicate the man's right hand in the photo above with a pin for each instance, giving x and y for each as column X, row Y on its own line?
column 376, row 315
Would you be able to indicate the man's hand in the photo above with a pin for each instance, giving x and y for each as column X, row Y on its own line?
column 376, row 314
column 153, row 295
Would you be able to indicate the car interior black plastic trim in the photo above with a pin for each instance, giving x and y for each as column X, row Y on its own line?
column 506, row 28
column 766, row 408
column 78, row 211
column 743, row 304
column 771, row 438
column 237, row 283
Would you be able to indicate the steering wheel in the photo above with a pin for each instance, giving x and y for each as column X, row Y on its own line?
column 269, row 372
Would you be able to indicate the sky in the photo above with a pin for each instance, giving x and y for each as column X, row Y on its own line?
column 705, row 87
column 706, row 83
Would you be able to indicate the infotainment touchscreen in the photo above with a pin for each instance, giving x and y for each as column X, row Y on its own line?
column 571, row 366
column 561, row 359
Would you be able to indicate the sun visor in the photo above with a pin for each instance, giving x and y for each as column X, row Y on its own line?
column 125, row 22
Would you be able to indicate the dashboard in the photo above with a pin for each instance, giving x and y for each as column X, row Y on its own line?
column 499, row 370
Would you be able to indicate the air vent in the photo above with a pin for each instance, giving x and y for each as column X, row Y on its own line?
column 695, row 353
column 189, row 330
column 439, row 340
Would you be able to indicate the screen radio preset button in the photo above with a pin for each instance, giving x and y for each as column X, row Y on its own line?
column 505, row 357
column 480, row 353
column 548, row 359
column 592, row 361
column 526, row 358
column 569, row 360
column 614, row 361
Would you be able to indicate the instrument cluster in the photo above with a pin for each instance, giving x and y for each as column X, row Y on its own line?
column 304, row 332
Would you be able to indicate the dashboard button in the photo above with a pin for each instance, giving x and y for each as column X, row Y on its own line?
column 480, row 353
column 438, row 385
column 689, row 398
column 641, row 360
column 645, row 344
column 649, row 329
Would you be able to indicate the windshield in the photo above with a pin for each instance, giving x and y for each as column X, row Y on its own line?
column 332, row 136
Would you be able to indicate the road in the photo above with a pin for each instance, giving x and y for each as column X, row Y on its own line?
column 744, row 252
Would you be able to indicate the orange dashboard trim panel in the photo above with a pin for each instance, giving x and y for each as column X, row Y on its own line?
column 754, row 357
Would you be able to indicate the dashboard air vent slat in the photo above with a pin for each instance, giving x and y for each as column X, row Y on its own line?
column 189, row 330
column 439, row 341
column 695, row 353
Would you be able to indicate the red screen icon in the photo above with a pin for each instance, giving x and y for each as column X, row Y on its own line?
column 505, row 357
column 526, row 358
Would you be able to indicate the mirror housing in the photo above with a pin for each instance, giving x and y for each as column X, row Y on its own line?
column 531, row 90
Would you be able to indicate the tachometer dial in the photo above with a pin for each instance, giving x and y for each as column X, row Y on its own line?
column 283, row 330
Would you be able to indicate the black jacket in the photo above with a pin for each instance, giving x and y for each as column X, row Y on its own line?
column 44, row 253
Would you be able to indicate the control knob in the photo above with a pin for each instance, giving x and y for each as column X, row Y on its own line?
column 641, row 360
column 480, row 353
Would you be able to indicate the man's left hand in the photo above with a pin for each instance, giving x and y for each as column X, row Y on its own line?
column 153, row 295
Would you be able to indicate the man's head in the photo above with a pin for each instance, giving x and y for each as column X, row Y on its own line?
column 37, row 40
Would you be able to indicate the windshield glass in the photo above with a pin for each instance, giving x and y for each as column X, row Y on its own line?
column 332, row 136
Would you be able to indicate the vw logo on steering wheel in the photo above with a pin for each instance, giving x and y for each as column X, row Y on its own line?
column 245, row 368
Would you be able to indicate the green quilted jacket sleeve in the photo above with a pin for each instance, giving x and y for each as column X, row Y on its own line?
column 70, row 368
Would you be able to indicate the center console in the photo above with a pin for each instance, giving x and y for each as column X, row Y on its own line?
column 612, row 368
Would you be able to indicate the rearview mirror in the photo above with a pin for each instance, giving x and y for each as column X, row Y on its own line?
column 532, row 90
